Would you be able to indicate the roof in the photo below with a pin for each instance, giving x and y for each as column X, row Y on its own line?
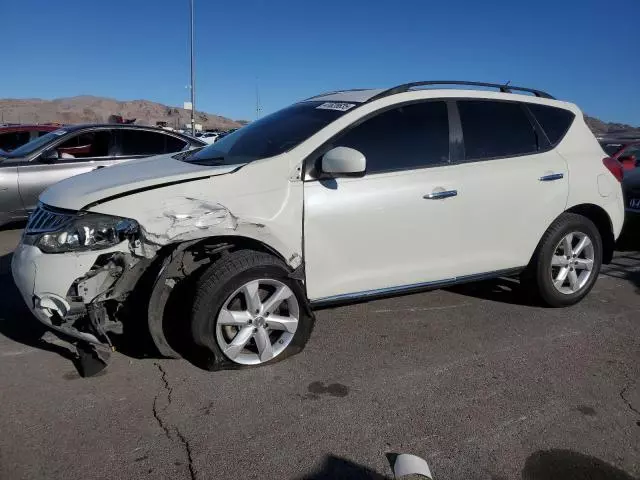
column 366, row 95
column 72, row 128
column 28, row 128
column 131, row 126
column 360, row 95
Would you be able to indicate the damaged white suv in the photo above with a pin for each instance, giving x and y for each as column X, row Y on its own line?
column 345, row 196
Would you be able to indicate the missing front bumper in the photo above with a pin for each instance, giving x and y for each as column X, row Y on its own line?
column 77, row 294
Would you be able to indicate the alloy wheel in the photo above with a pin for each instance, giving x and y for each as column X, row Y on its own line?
column 257, row 321
column 572, row 263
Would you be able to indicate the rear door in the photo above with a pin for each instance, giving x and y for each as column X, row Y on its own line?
column 511, row 185
column 77, row 153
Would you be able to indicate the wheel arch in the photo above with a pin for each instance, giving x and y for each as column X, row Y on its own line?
column 602, row 222
column 173, row 266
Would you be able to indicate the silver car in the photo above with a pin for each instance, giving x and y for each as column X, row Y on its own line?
column 30, row 169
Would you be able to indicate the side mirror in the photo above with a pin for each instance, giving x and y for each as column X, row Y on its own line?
column 49, row 156
column 343, row 160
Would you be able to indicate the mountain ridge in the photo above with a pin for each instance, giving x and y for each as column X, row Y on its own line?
column 87, row 108
column 94, row 109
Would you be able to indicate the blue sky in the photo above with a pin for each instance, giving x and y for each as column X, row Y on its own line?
column 584, row 51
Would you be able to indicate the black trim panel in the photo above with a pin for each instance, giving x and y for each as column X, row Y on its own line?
column 412, row 288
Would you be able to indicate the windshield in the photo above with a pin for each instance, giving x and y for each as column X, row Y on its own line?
column 35, row 144
column 272, row 135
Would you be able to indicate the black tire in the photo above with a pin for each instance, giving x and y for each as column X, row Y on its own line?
column 225, row 276
column 537, row 278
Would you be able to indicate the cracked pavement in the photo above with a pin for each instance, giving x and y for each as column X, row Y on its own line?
column 177, row 435
column 469, row 378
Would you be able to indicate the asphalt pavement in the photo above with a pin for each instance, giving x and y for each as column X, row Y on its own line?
column 473, row 379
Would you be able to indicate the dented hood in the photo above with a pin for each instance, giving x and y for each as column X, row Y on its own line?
column 134, row 176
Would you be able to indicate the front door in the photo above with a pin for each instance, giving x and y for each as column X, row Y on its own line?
column 77, row 154
column 396, row 225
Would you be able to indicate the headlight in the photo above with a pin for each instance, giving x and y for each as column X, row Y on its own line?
column 90, row 231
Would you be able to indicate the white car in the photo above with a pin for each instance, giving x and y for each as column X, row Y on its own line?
column 342, row 197
column 208, row 137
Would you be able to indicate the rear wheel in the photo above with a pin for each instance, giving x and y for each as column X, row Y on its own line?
column 567, row 261
column 247, row 311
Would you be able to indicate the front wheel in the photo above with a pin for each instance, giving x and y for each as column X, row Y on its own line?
column 567, row 261
column 247, row 311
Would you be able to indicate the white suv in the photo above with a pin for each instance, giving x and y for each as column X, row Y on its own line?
column 341, row 197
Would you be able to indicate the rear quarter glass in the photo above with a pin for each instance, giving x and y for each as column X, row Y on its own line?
column 554, row 121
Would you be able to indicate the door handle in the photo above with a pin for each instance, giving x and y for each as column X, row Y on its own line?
column 551, row 177
column 441, row 194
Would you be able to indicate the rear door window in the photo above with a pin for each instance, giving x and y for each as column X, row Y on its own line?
column 554, row 121
column 143, row 142
column 494, row 129
column 403, row 138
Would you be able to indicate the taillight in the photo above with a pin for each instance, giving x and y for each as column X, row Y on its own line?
column 615, row 167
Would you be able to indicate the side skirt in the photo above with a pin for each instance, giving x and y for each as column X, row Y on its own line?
column 358, row 297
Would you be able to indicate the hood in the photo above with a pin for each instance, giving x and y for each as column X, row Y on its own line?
column 137, row 175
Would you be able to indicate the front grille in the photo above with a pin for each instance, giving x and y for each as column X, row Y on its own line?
column 47, row 219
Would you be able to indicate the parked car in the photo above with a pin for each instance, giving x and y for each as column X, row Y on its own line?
column 624, row 149
column 343, row 197
column 631, row 185
column 14, row 136
column 26, row 171
column 228, row 132
column 208, row 137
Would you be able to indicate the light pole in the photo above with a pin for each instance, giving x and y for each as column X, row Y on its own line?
column 193, row 80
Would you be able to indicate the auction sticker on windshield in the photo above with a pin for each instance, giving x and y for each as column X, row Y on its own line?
column 341, row 107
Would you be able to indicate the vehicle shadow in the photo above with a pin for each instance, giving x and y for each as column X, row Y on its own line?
column 503, row 289
column 16, row 321
column 337, row 468
column 559, row 464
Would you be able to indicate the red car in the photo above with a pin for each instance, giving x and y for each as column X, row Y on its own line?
column 14, row 136
column 625, row 150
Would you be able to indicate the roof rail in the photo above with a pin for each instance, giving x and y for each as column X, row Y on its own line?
column 505, row 88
